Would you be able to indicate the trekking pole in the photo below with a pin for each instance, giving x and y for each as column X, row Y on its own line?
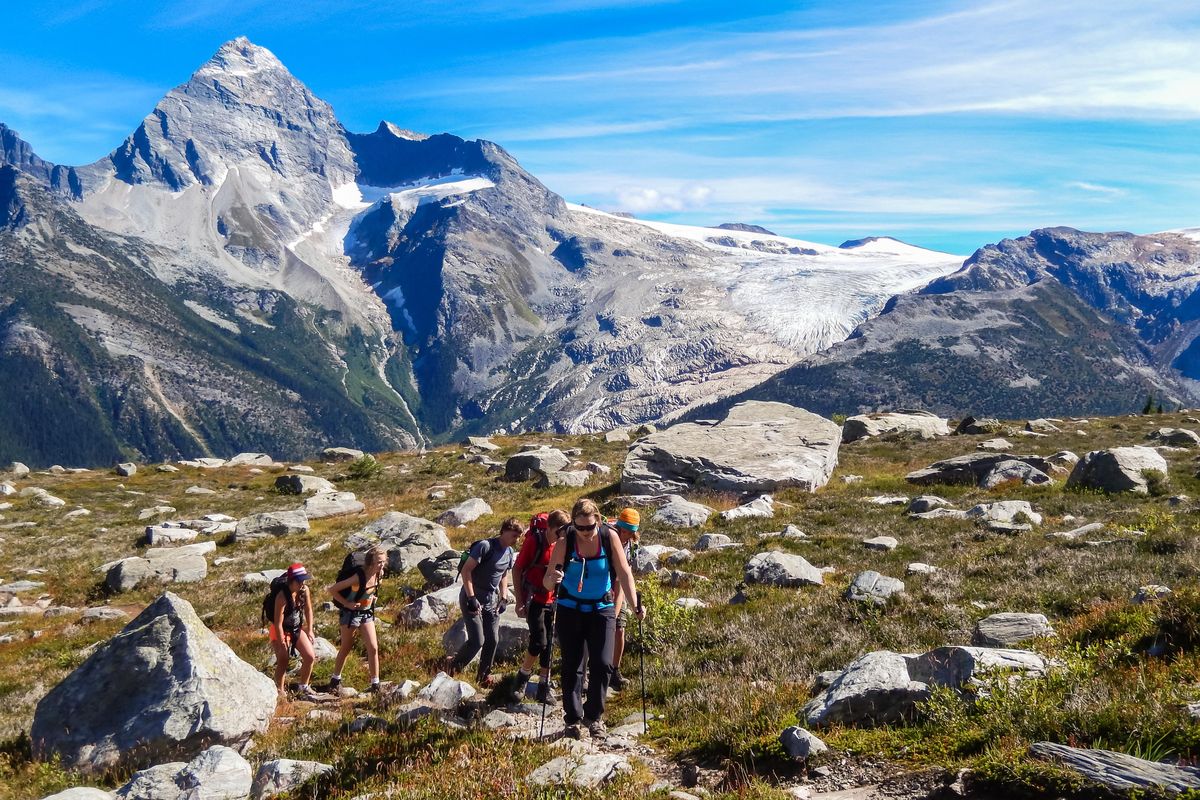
column 642, row 665
column 550, row 659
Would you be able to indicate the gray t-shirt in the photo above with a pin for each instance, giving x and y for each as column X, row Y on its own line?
column 490, row 568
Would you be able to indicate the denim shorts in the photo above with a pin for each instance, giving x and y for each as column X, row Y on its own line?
column 355, row 618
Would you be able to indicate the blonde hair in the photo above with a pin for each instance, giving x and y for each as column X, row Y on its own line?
column 376, row 555
column 585, row 507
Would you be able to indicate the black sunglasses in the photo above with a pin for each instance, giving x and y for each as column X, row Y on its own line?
column 591, row 527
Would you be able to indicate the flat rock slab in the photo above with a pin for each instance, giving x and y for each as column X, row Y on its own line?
column 970, row 469
column 758, row 447
column 1005, row 511
column 464, row 513
column 881, row 543
column 1009, row 628
column 918, row 423
column 762, row 507
column 303, row 484
column 533, row 463
column 332, row 504
column 680, row 513
column 270, row 523
column 1118, row 770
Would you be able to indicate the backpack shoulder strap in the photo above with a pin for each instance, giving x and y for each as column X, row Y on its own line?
column 607, row 532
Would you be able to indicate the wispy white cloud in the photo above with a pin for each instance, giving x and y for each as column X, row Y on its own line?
column 1095, row 188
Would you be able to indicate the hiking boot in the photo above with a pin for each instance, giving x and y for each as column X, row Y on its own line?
column 373, row 688
column 335, row 683
column 545, row 693
column 618, row 681
column 572, row 731
column 306, row 693
column 487, row 681
column 596, row 728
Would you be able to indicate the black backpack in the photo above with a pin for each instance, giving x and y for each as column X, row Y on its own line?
column 495, row 553
column 278, row 584
column 352, row 564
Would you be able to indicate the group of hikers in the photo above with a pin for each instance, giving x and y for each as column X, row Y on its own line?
column 571, row 581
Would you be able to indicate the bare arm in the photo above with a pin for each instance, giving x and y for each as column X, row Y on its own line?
column 628, row 590
column 557, row 556
column 467, row 571
column 308, row 614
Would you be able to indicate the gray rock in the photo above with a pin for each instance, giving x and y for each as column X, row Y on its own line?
column 153, row 783
column 573, row 478
column 1010, row 471
column 219, row 773
column 792, row 532
column 406, row 539
column 284, row 775
column 617, row 436
column 680, row 557
column 254, row 581
column 970, row 425
column 198, row 490
column 643, row 561
column 160, row 536
column 871, row 587
column 171, row 688
column 918, row 423
column 303, row 484
column 1064, row 460
column 184, row 564
column 887, row 500
column 270, row 523
column 511, row 643
column 17, row 587
column 433, row 608
column 919, row 568
column 801, row 744
column 1007, row 629
column 1119, row 771
column 18, row 470
column 445, row 693
column 81, row 793
column 758, row 447
column 970, row 469
column 873, row 690
column 587, row 771
column 126, row 470
column 341, row 454
column 1077, row 533
column 156, row 511
column 782, row 569
column 882, row 543
column 680, row 513
column 441, row 570
column 926, row 502
column 250, row 460
column 535, row 463
column 332, row 504
column 598, row 469
column 998, row 445
column 958, row 667
column 481, row 443
column 1042, row 426
column 762, row 507
column 1119, row 469
column 101, row 613
column 464, row 513
column 1150, row 593
column 1004, row 511
column 712, row 541
column 1176, row 437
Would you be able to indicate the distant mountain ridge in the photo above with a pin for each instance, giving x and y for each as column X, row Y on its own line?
column 276, row 282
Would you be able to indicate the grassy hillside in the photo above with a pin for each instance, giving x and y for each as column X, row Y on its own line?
column 726, row 679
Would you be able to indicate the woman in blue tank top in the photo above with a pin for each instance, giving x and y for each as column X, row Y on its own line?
column 586, row 565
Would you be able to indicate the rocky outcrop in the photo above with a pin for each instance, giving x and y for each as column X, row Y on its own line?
column 1119, row 771
column 1010, row 628
column 270, row 523
column 184, row 564
column 171, row 688
column 406, row 539
column 921, row 424
column 1119, row 469
column 464, row 513
column 302, row 484
column 757, row 447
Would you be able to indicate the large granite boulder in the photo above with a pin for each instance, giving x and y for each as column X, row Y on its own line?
column 433, row 608
column 165, row 686
column 464, row 513
column 782, row 569
column 303, row 484
column 441, row 570
column 219, row 773
column 971, row 469
column 758, row 447
column 1176, row 437
column 883, row 687
column 407, row 539
column 1120, row 772
column 1120, row 469
column 270, row 523
column 918, row 423
column 184, row 564
column 535, row 463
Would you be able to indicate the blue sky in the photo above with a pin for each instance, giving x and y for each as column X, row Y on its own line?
column 946, row 124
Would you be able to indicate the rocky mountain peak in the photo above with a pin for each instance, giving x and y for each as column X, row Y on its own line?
column 240, row 57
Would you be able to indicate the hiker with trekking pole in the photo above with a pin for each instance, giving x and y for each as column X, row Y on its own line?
column 536, row 603
column 586, row 565
column 627, row 525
